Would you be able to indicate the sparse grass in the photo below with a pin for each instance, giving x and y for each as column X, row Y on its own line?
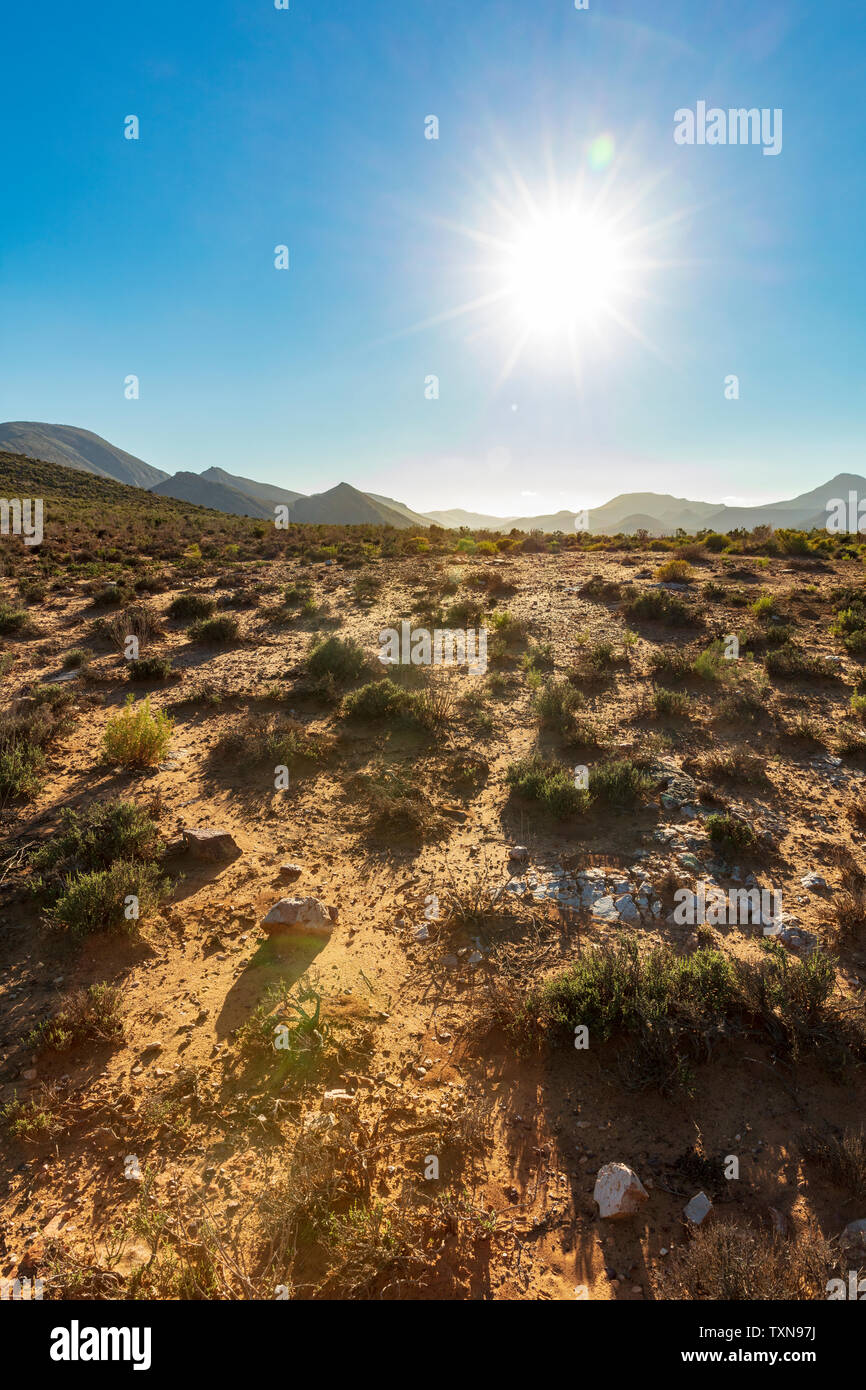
column 732, row 765
column 277, row 740
column 842, row 1155
column 86, row 1015
column 726, row 1261
column 137, row 737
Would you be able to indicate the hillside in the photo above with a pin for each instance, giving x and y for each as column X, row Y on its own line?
column 344, row 505
column 77, row 448
column 193, row 487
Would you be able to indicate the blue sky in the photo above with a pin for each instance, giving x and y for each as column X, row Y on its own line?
column 305, row 127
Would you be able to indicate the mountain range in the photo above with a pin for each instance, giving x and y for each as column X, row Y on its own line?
column 658, row 513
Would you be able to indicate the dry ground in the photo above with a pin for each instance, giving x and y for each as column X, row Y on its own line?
column 414, row 1028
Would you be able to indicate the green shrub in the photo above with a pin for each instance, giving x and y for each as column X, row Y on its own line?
column 540, row 779
column 339, row 657
column 101, row 901
column 215, row 630
column 136, row 737
column 618, row 783
column 149, row 668
column 657, row 605
column 555, row 705
column 729, row 832
column 192, row 606
column 94, row 838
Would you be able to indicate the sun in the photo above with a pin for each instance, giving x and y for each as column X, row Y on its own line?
column 563, row 274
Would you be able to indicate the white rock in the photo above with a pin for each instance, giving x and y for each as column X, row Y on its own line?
column 699, row 1207
column 813, row 880
column 604, row 910
column 618, row 1191
column 626, row 908
column 519, row 853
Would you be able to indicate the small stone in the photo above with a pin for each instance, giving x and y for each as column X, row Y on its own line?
column 152, row 1047
column 290, row 872
column 519, row 853
column 699, row 1207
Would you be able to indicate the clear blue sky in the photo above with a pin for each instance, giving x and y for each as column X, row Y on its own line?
column 306, row 127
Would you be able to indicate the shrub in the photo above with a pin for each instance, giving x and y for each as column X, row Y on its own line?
column 619, row 783
column 674, row 571
column 339, row 657
column 729, row 832
column 13, row 619
column 96, row 837
column 75, row 658
column 214, row 630
column 555, row 705
column 99, row 901
column 192, row 607
column 86, row 1015
column 376, row 700
column 671, row 702
column 149, row 668
column 727, row 1261
column 540, row 779
column 136, row 737
column 789, row 662
column 657, row 605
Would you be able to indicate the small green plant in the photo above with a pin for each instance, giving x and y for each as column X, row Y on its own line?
column 136, row 736
column 730, row 832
